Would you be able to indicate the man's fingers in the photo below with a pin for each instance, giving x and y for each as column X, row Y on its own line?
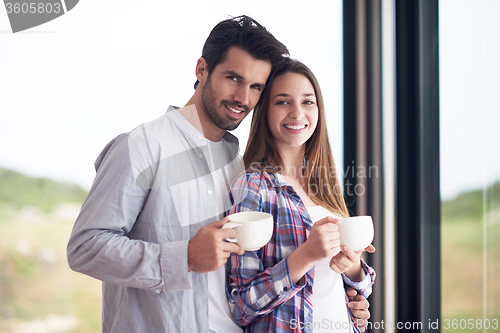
column 359, row 304
column 361, row 324
column 233, row 248
column 351, row 292
column 226, row 233
column 361, row 314
column 218, row 224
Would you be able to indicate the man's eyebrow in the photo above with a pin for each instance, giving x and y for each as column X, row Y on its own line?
column 238, row 76
column 260, row 85
column 233, row 73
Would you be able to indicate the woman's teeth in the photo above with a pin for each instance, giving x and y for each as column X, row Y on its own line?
column 294, row 127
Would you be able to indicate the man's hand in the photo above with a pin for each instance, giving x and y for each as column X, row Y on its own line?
column 207, row 250
column 359, row 308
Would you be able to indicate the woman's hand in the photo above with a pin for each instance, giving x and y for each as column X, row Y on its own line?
column 345, row 260
column 323, row 243
column 324, row 239
column 349, row 262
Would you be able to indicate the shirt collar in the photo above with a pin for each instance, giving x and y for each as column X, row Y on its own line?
column 186, row 127
column 275, row 177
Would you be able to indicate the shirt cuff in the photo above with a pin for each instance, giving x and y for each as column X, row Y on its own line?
column 174, row 266
column 364, row 287
column 282, row 282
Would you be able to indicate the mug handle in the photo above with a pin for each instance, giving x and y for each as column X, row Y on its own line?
column 231, row 224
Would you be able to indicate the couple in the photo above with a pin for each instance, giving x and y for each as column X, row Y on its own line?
column 150, row 228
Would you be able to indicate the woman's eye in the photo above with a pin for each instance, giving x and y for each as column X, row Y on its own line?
column 282, row 103
column 308, row 102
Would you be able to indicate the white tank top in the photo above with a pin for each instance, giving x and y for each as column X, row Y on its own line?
column 219, row 317
column 329, row 307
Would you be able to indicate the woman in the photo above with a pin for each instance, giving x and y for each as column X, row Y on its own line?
column 295, row 282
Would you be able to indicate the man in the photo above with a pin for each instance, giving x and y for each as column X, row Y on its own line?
column 150, row 228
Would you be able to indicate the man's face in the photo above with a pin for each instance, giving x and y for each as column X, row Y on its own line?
column 234, row 87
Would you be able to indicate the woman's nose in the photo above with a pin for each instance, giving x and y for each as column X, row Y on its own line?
column 296, row 111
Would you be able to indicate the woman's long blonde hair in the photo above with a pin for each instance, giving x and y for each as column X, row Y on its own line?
column 320, row 174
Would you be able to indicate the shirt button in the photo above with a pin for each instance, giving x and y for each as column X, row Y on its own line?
column 200, row 155
column 200, row 137
column 285, row 289
column 209, row 192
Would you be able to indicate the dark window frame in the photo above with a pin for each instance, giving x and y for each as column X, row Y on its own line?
column 418, row 211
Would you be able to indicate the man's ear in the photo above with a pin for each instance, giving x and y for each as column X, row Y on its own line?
column 201, row 70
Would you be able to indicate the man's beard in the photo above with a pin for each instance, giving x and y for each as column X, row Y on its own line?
column 209, row 100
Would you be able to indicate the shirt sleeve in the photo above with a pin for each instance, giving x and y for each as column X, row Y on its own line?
column 254, row 290
column 364, row 287
column 99, row 246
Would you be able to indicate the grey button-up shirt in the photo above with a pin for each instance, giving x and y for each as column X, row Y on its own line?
column 155, row 187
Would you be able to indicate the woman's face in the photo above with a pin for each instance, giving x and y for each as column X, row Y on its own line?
column 292, row 111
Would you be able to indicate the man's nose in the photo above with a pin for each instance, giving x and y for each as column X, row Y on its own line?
column 242, row 95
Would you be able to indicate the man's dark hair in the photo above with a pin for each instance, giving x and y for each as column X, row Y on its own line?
column 245, row 33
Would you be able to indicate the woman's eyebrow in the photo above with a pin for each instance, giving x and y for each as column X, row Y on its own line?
column 287, row 95
column 282, row 95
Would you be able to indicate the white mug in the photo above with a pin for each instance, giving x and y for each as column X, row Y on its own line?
column 253, row 229
column 356, row 232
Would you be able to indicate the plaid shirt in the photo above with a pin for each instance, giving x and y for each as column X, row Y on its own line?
column 261, row 294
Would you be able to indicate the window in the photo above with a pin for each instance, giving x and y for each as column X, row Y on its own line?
column 470, row 164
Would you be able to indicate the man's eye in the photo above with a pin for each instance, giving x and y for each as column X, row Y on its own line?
column 258, row 88
column 233, row 78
